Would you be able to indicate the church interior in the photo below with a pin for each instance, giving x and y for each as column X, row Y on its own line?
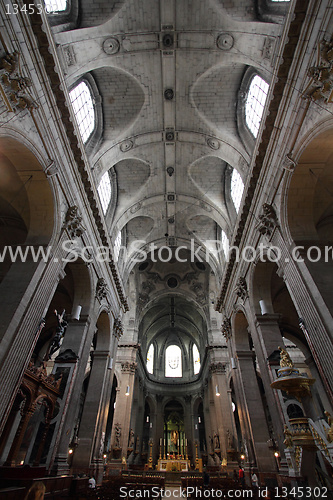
column 166, row 243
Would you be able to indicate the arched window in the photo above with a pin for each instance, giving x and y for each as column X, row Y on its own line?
column 83, row 106
column 104, row 191
column 225, row 243
column 237, row 188
column 196, row 359
column 55, row 6
column 173, row 361
column 117, row 246
column 255, row 103
column 150, row 359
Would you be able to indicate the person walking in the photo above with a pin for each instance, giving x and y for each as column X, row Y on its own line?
column 241, row 476
column 254, row 480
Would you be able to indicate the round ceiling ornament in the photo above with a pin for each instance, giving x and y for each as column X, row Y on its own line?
column 126, row 145
column 225, row 41
column 111, row 45
column 213, row 143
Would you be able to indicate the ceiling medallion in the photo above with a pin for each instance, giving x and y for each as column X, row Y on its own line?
column 167, row 40
column 111, row 45
column 225, row 41
column 126, row 145
column 213, row 143
column 168, row 94
column 169, row 136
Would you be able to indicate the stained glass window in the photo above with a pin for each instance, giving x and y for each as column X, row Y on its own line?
column 196, row 359
column 173, row 361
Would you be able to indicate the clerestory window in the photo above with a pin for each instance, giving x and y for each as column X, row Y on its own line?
column 83, row 105
column 237, row 188
column 55, row 6
column 255, row 102
column 173, row 361
column 196, row 360
column 104, row 191
column 225, row 243
column 117, row 246
column 150, row 359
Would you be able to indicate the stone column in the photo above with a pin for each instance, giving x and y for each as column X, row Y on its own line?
column 270, row 339
column 27, row 414
column 208, row 405
column 71, row 362
column 138, row 423
column 189, row 420
column 122, row 414
column 94, row 407
column 221, row 404
column 255, row 412
column 25, row 294
column 159, row 426
column 310, row 306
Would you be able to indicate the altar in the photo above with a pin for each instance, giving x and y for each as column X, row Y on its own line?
column 173, row 465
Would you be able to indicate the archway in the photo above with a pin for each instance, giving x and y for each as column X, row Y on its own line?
column 310, row 211
column 174, row 430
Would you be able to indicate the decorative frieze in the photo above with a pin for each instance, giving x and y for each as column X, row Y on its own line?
column 40, row 373
column 14, row 84
column 118, row 329
column 226, row 328
column 267, row 220
column 128, row 367
column 320, row 87
column 102, row 289
column 241, row 289
column 73, row 222
column 217, row 367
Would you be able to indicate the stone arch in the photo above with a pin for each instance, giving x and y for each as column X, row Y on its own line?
column 103, row 334
column 260, row 285
column 72, row 295
column 309, row 203
column 241, row 330
column 26, row 198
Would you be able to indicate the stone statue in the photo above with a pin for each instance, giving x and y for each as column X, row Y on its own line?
column 131, row 439
column 288, row 438
column 285, row 360
column 117, row 435
column 329, row 432
column 216, row 441
column 60, row 332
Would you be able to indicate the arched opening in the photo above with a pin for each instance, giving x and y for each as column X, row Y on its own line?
column 26, row 203
column 174, row 431
column 310, row 211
